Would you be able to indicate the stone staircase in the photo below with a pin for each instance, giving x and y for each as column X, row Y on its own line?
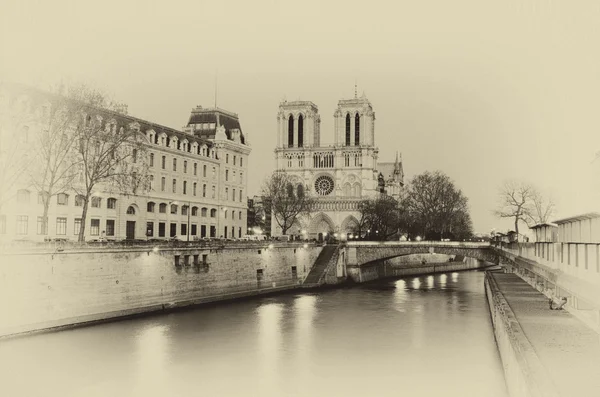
column 316, row 274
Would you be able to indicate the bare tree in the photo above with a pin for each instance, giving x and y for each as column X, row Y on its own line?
column 54, row 142
column 288, row 199
column 515, row 202
column 15, row 158
column 109, row 156
column 541, row 208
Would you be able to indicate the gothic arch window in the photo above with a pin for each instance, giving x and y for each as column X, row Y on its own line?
column 300, row 190
column 130, row 210
column 348, row 129
column 300, row 131
column 357, row 130
column 357, row 190
column 347, row 190
column 290, row 190
column 291, row 131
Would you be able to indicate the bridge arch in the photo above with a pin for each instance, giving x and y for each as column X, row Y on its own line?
column 366, row 253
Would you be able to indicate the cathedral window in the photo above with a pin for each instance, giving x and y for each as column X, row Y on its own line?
column 300, row 191
column 300, row 131
column 347, row 129
column 357, row 130
column 291, row 131
column 324, row 185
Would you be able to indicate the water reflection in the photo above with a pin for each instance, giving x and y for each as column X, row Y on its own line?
column 430, row 282
column 416, row 283
column 304, row 313
column 152, row 360
column 389, row 338
column 443, row 278
column 269, row 345
column 400, row 295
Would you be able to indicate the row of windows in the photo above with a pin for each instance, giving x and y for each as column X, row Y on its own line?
column 61, row 226
column 163, row 165
column 184, row 145
column 241, row 176
column 163, row 186
column 183, row 229
column 109, row 229
column 162, row 209
column 234, row 160
column 24, row 196
column 195, row 168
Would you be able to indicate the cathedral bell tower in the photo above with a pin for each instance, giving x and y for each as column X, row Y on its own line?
column 354, row 122
column 298, row 125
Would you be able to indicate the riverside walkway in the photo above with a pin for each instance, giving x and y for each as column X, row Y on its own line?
column 567, row 349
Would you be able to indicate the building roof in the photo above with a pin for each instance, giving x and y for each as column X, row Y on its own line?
column 39, row 95
column 589, row 215
column 227, row 119
column 543, row 225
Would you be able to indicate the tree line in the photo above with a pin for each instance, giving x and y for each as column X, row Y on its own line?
column 430, row 207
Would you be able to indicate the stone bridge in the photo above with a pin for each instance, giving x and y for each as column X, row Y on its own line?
column 363, row 253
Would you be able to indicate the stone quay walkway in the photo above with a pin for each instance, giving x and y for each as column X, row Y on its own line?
column 566, row 347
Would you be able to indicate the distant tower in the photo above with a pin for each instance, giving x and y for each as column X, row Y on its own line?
column 354, row 122
column 298, row 125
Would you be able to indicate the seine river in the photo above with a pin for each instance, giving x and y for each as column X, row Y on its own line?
column 417, row 336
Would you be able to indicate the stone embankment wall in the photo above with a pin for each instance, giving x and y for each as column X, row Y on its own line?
column 407, row 266
column 41, row 290
column 524, row 373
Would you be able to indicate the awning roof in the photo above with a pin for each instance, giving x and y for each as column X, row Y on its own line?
column 543, row 225
column 590, row 215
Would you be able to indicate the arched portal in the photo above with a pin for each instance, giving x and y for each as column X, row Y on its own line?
column 320, row 224
column 350, row 226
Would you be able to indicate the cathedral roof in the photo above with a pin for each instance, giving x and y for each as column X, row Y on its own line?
column 206, row 117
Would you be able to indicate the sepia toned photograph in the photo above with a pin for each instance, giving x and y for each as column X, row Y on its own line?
column 273, row 198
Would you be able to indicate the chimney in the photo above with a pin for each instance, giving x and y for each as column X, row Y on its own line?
column 121, row 108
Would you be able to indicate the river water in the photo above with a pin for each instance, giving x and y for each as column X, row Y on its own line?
column 417, row 336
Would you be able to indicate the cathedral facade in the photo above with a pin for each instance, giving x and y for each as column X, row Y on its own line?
column 338, row 176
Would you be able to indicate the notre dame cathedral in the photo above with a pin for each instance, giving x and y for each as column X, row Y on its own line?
column 338, row 176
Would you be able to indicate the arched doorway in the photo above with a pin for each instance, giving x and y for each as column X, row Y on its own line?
column 320, row 226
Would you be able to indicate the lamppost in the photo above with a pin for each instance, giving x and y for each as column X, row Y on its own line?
column 189, row 210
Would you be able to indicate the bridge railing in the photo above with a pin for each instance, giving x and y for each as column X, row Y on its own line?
column 457, row 244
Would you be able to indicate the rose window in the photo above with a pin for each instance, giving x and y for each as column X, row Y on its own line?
column 324, row 185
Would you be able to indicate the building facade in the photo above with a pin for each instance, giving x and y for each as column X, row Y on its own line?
column 196, row 188
column 337, row 176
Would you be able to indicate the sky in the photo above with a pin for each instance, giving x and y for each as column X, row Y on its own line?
column 484, row 91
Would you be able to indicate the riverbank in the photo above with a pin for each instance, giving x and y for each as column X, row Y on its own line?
column 43, row 290
column 544, row 352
